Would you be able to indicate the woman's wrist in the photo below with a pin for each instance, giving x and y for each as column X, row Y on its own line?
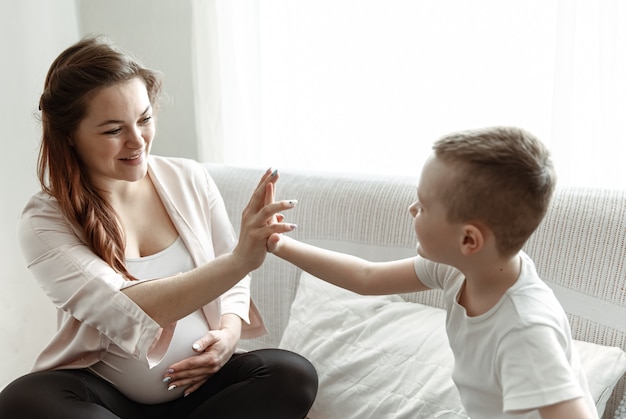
column 233, row 324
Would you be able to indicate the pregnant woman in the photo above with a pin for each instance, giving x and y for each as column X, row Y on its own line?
column 138, row 255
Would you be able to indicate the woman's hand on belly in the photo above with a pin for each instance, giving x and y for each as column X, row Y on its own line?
column 214, row 350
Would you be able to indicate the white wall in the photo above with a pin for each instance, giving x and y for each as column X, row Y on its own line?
column 32, row 33
column 158, row 33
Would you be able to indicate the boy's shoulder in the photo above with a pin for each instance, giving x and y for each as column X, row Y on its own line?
column 437, row 275
column 533, row 300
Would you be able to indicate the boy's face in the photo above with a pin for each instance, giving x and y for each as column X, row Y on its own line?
column 436, row 236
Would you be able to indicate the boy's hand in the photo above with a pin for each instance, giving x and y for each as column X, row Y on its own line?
column 274, row 242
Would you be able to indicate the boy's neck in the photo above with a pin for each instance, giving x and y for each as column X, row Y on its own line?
column 486, row 283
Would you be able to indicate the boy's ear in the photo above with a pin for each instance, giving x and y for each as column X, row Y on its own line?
column 473, row 239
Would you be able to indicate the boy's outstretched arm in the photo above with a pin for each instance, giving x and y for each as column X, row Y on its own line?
column 347, row 271
column 571, row 409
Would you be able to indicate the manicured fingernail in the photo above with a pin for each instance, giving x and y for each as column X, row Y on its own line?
column 293, row 202
column 169, row 371
column 292, row 226
column 172, row 387
column 186, row 394
column 196, row 346
column 274, row 172
column 167, row 379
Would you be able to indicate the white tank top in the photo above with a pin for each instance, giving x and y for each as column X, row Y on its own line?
column 133, row 377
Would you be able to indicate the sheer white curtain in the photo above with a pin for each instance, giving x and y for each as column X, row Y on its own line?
column 367, row 85
column 588, row 130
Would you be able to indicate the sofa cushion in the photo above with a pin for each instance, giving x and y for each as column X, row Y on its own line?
column 381, row 356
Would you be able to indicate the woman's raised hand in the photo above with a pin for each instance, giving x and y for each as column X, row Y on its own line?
column 260, row 220
column 274, row 240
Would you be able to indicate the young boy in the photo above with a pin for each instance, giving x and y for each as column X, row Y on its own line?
column 480, row 196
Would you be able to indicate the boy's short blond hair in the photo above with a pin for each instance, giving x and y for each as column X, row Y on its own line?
column 504, row 179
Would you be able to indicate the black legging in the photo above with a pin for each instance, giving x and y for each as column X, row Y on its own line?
column 268, row 383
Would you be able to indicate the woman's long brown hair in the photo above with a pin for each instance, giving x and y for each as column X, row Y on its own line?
column 73, row 78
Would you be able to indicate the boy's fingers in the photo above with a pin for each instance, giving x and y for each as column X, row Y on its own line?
column 272, row 242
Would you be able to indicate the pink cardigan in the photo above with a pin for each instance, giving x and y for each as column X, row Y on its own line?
column 92, row 312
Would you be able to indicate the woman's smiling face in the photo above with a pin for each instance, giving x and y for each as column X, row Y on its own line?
column 114, row 138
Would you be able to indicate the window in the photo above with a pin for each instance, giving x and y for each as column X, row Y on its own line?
column 365, row 85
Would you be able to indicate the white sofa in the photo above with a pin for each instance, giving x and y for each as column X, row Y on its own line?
column 387, row 356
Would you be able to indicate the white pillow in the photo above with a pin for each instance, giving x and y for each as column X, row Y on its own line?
column 603, row 367
column 382, row 357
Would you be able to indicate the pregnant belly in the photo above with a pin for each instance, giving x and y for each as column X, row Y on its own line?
column 142, row 384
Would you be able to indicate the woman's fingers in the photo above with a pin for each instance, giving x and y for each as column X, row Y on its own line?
column 260, row 196
column 269, row 192
column 262, row 223
column 274, row 209
column 268, row 173
column 262, row 219
column 194, row 387
column 262, row 209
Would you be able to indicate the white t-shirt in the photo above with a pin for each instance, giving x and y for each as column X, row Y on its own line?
column 132, row 376
column 518, row 356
